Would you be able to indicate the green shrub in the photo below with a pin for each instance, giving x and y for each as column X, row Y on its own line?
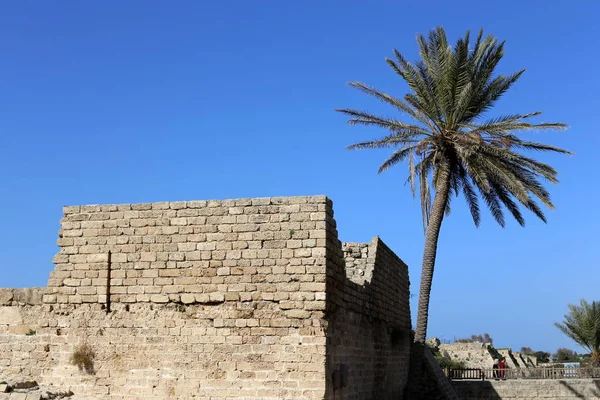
column 83, row 358
column 446, row 362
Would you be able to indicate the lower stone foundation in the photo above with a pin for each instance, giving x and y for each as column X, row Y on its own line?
column 526, row 389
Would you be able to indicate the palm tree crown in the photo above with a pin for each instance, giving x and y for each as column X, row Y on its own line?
column 451, row 90
column 450, row 147
column 582, row 324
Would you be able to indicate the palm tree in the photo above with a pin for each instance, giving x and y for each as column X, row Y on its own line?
column 450, row 147
column 582, row 324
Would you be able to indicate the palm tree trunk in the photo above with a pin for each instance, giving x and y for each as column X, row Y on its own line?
column 421, row 376
column 429, row 254
column 596, row 357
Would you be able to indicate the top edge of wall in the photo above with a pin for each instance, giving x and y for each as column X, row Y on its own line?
column 247, row 201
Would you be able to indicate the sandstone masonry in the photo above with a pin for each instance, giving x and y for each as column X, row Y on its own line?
column 234, row 299
column 474, row 355
column 516, row 389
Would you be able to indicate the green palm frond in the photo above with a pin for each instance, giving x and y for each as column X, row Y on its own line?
column 472, row 202
column 582, row 325
column 393, row 140
column 364, row 118
column 394, row 102
column 451, row 90
column 396, row 157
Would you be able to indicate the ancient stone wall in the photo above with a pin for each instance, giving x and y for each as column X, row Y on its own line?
column 368, row 337
column 474, row 355
column 509, row 358
column 245, row 299
column 194, row 252
column 525, row 389
column 520, row 360
column 19, row 342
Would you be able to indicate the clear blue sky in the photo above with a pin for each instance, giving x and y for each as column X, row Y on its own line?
column 140, row 101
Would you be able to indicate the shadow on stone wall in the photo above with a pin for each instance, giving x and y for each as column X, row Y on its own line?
column 368, row 316
column 469, row 390
column 523, row 389
column 595, row 392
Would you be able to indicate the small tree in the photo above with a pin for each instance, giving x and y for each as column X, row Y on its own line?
column 582, row 324
column 542, row 356
column 527, row 351
column 485, row 338
column 564, row 354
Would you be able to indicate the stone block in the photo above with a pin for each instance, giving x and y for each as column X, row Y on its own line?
column 148, row 256
column 159, row 298
column 216, row 297
column 10, row 316
column 20, row 329
column 178, row 221
column 187, row 298
column 6, row 297
column 97, row 258
column 141, row 206
column 67, row 210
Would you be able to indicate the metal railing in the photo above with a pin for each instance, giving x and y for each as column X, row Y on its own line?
column 521, row 373
column 465, row 373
